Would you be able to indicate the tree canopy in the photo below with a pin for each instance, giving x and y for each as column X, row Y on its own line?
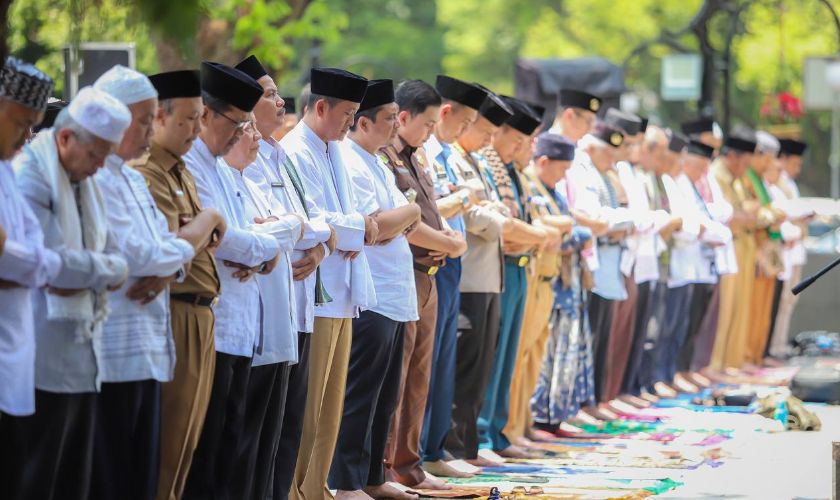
column 477, row 40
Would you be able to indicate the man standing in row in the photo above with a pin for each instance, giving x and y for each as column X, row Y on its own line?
column 50, row 453
column 378, row 333
column 481, row 282
column 459, row 109
column 419, row 110
column 312, row 147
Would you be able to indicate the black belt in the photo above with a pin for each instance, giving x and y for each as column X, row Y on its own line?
column 430, row 270
column 520, row 260
column 194, row 299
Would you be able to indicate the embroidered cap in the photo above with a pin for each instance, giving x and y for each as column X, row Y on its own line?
column 25, row 84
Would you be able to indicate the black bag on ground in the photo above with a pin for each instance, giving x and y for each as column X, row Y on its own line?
column 817, row 382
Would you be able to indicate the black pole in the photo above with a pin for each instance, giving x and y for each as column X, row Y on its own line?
column 811, row 279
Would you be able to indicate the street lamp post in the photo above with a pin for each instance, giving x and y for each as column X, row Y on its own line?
column 832, row 76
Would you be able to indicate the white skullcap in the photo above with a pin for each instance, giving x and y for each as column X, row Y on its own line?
column 127, row 85
column 767, row 143
column 100, row 114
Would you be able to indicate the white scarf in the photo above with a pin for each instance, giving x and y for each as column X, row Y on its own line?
column 88, row 232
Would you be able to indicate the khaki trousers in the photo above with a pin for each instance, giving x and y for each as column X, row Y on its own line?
column 184, row 400
column 761, row 309
column 402, row 454
column 735, row 300
column 328, row 359
column 529, row 356
column 787, row 302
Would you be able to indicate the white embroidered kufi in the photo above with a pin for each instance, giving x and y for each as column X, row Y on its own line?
column 127, row 85
column 100, row 114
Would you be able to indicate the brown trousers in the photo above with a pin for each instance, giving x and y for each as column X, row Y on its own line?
column 328, row 359
column 734, row 313
column 529, row 356
column 761, row 309
column 402, row 454
column 621, row 341
column 184, row 400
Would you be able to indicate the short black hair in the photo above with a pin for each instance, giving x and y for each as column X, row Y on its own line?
column 415, row 96
column 214, row 103
column 314, row 98
column 369, row 113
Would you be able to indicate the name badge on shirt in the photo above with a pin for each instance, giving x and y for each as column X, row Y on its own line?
column 277, row 184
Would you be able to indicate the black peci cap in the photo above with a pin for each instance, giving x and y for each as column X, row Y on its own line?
column 338, row 83
column 495, row 110
column 378, row 92
column 578, row 99
column 792, row 147
column 468, row 94
column 698, row 148
column 524, row 120
column 251, row 66
column 629, row 123
column 175, row 84
column 677, row 142
column 230, row 85
column 608, row 133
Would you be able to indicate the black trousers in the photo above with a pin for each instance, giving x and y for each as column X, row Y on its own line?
column 600, row 319
column 677, row 302
column 49, row 455
column 654, row 336
column 286, row 454
column 777, row 299
column 478, row 333
column 126, row 450
column 265, row 404
column 630, row 382
column 370, row 399
column 701, row 297
column 213, row 461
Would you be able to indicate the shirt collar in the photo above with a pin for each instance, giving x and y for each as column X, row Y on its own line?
column 164, row 158
column 114, row 163
column 403, row 147
column 312, row 137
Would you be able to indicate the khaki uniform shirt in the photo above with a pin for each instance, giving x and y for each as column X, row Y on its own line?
column 173, row 189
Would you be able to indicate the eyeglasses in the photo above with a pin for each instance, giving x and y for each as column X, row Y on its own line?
column 239, row 125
